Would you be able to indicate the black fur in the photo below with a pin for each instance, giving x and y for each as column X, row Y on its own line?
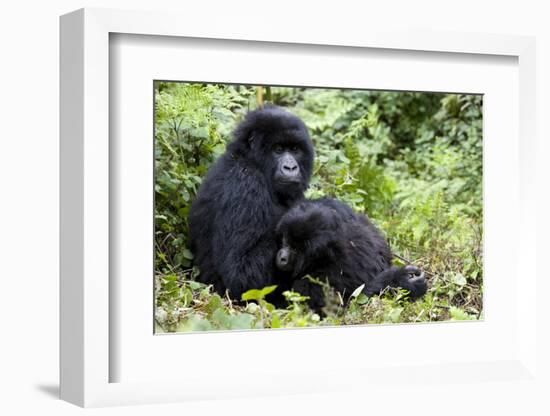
column 326, row 239
column 265, row 169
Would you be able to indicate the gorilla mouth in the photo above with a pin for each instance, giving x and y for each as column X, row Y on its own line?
column 289, row 181
column 284, row 267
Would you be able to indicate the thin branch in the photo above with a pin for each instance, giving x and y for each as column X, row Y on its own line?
column 405, row 260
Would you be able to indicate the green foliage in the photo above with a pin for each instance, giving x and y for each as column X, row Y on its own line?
column 192, row 126
column 258, row 294
column 411, row 161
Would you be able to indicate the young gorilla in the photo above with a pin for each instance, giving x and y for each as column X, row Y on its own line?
column 264, row 170
column 328, row 240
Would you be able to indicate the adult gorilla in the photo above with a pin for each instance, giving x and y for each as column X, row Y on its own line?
column 264, row 170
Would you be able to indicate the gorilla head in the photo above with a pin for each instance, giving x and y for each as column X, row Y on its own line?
column 308, row 235
column 276, row 143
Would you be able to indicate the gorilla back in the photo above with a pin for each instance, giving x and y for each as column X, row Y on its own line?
column 264, row 170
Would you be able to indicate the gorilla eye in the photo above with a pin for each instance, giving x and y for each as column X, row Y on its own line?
column 294, row 148
column 278, row 148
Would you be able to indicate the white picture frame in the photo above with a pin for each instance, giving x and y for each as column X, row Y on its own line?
column 87, row 356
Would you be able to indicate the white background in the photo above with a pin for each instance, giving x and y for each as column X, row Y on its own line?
column 136, row 61
column 29, row 172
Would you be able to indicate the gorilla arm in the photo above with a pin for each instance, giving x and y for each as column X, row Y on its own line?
column 243, row 242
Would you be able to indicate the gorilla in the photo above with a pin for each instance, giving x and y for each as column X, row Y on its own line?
column 264, row 171
column 326, row 239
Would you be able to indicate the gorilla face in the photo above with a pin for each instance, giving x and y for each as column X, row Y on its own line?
column 285, row 158
column 308, row 236
column 278, row 145
column 287, row 257
column 288, row 166
column 287, row 169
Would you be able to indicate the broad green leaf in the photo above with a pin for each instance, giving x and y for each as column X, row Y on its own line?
column 362, row 299
column 268, row 289
column 194, row 285
column 270, row 308
column 214, row 303
column 459, row 315
column 291, row 296
column 186, row 296
column 275, row 321
column 194, row 323
column 459, row 279
column 221, row 318
column 241, row 321
column 187, row 254
column 252, row 294
column 257, row 294
column 395, row 314
column 171, row 278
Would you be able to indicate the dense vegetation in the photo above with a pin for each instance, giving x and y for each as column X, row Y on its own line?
column 411, row 161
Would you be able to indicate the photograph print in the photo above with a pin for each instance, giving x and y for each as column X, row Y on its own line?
column 289, row 207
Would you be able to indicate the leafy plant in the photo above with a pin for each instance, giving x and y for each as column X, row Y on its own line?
column 411, row 161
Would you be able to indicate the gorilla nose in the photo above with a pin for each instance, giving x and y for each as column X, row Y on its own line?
column 290, row 168
column 282, row 258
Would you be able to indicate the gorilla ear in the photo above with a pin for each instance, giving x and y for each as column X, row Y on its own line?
column 243, row 138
